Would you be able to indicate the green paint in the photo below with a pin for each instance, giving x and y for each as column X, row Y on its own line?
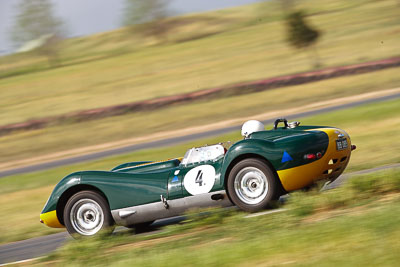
column 67, row 182
column 138, row 183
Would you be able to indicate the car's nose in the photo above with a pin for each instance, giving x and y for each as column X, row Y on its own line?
column 50, row 219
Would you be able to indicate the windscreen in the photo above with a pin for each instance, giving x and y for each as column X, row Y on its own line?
column 202, row 154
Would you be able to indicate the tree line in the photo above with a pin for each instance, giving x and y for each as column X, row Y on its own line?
column 35, row 20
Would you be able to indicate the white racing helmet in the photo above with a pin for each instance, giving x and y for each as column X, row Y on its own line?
column 252, row 126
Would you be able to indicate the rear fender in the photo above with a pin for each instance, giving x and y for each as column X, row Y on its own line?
column 247, row 148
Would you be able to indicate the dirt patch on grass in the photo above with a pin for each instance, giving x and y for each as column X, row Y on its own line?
column 389, row 197
column 214, row 242
column 152, row 242
column 321, row 215
column 161, row 240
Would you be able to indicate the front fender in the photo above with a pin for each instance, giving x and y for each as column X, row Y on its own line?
column 66, row 183
column 49, row 213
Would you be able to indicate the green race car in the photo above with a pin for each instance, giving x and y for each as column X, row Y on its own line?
column 249, row 174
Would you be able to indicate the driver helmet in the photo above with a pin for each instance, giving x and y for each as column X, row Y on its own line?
column 252, row 126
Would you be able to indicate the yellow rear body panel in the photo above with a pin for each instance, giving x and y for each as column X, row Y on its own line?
column 331, row 165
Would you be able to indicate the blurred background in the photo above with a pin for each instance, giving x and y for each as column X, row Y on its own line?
column 78, row 77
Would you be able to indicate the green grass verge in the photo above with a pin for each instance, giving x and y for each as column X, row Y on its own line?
column 25, row 145
column 374, row 128
column 350, row 234
column 359, row 190
column 244, row 43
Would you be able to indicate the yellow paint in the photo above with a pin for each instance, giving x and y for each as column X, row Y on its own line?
column 301, row 176
column 50, row 219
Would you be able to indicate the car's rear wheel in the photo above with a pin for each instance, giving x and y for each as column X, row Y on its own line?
column 252, row 185
column 87, row 213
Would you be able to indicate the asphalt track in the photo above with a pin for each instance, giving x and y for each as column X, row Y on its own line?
column 177, row 140
column 37, row 247
column 40, row 246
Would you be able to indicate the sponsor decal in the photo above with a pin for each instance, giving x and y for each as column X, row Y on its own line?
column 199, row 180
column 286, row 157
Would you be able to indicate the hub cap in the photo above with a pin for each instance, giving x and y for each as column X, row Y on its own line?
column 87, row 217
column 251, row 185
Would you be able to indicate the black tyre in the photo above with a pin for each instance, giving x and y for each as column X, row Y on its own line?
column 87, row 213
column 141, row 227
column 144, row 225
column 252, row 185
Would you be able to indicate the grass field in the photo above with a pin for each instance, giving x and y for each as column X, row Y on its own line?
column 25, row 145
column 244, row 43
column 350, row 226
column 374, row 129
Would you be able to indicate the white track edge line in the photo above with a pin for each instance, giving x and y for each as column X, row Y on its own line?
column 18, row 262
column 265, row 213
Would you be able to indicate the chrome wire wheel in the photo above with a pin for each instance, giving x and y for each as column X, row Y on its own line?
column 87, row 217
column 251, row 185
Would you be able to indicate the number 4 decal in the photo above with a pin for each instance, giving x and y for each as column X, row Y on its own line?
column 199, row 178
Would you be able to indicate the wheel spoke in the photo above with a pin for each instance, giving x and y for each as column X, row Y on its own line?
column 87, row 217
column 251, row 185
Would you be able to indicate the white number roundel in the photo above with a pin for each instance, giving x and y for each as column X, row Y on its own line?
column 199, row 180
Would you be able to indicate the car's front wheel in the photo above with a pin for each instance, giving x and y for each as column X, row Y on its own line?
column 252, row 185
column 87, row 213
